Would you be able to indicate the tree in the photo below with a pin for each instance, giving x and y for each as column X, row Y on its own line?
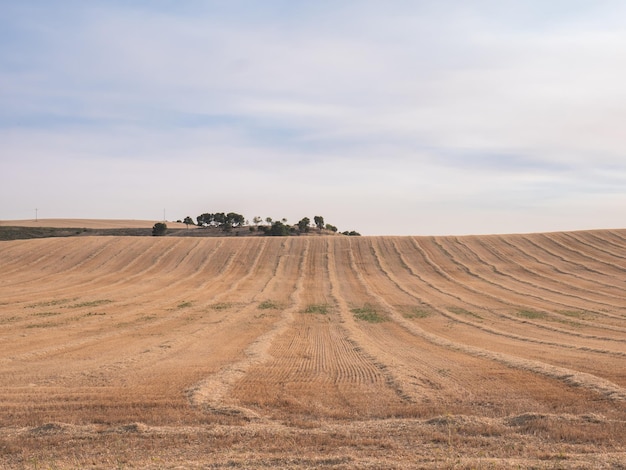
column 268, row 220
column 234, row 219
column 225, row 221
column 204, row 219
column 188, row 221
column 319, row 221
column 331, row 228
column 257, row 220
column 303, row 225
column 159, row 229
column 278, row 230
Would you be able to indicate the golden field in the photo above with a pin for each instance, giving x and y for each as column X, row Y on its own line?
column 302, row 352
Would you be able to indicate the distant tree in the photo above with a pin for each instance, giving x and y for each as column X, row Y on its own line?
column 257, row 220
column 278, row 229
column 235, row 220
column 319, row 222
column 159, row 229
column 205, row 219
column 303, row 225
column 331, row 228
column 268, row 220
column 351, row 233
column 219, row 219
column 188, row 221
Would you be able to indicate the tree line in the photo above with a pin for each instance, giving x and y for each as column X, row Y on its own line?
column 227, row 221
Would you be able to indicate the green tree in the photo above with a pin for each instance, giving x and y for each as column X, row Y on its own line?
column 205, row 219
column 188, row 221
column 278, row 230
column 159, row 229
column 303, row 225
column 319, row 222
column 234, row 219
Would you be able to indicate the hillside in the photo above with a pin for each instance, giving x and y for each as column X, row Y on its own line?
column 86, row 223
column 366, row 352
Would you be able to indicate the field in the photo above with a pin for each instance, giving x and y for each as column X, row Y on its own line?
column 340, row 352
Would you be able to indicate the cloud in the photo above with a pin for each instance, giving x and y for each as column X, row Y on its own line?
column 422, row 110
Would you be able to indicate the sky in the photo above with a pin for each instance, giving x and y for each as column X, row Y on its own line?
column 422, row 117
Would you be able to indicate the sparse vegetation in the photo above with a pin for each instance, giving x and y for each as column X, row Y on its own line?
column 462, row 311
column 416, row 312
column 268, row 304
column 221, row 306
column 90, row 303
column 368, row 313
column 322, row 309
column 531, row 314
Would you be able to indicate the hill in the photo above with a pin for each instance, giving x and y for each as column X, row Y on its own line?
column 299, row 352
column 86, row 223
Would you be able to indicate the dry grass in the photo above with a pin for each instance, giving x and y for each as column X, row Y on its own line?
column 389, row 352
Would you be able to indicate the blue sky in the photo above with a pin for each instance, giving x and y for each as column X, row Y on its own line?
column 399, row 117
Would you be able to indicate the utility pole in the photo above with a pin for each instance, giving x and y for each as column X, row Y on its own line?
column 36, row 215
column 163, row 215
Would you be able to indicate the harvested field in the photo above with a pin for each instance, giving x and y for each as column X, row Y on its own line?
column 341, row 352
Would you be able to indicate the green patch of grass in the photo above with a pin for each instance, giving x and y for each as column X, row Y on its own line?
column 531, row 314
column 90, row 303
column 44, row 325
column 268, row 304
column 50, row 303
column 46, row 314
column 368, row 313
column 9, row 319
column 221, row 306
column 415, row 312
column 184, row 305
column 322, row 309
column 462, row 311
column 581, row 314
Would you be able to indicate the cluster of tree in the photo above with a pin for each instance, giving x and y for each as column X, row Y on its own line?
column 230, row 220
column 280, row 228
column 224, row 221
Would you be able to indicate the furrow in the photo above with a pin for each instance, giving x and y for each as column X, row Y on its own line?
column 571, row 377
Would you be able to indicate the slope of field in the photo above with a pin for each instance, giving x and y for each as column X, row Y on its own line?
column 368, row 352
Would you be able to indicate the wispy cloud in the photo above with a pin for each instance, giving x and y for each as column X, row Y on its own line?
column 444, row 116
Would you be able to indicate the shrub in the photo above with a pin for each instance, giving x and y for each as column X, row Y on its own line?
column 278, row 229
column 159, row 229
